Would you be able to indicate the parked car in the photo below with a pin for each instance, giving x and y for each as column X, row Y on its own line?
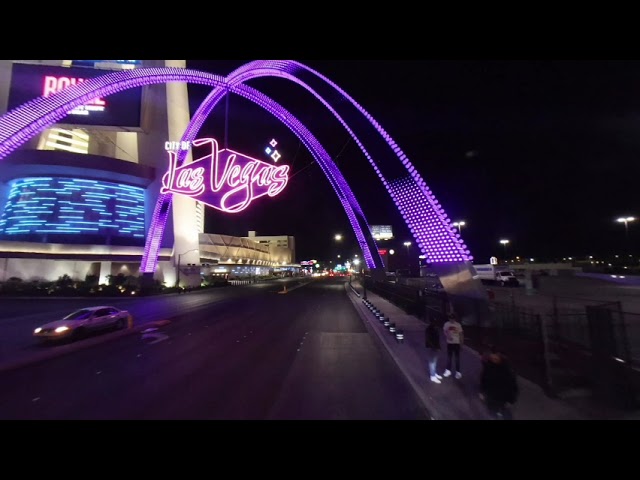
column 81, row 322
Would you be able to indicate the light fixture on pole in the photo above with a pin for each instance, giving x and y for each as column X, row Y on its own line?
column 178, row 269
column 504, row 243
column 459, row 226
column 337, row 237
column 626, row 221
column 408, row 245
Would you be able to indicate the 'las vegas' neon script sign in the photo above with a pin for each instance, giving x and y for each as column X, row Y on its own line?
column 223, row 179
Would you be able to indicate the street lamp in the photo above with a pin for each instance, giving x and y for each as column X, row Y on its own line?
column 504, row 243
column 337, row 237
column 459, row 226
column 179, row 258
column 626, row 221
column 408, row 244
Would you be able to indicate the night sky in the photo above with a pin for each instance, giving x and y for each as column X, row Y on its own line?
column 543, row 153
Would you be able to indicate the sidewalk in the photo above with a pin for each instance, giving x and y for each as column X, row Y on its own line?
column 452, row 399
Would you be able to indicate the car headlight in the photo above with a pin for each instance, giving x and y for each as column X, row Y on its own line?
column 37, row 330
column 61, row 329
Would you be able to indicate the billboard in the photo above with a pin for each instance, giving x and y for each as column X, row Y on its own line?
column 119, row 111
column 381, row 232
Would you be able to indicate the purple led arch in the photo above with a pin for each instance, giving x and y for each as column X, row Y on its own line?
column 345, row 195
column 424, row 216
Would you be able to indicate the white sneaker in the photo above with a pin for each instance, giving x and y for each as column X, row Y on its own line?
column 458, row 375
column 435, row 380
column 446, row 373
column 439, row 377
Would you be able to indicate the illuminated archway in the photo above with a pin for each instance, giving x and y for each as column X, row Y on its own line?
column 424, row 216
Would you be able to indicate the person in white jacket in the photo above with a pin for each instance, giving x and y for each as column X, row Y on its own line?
column 454, row 334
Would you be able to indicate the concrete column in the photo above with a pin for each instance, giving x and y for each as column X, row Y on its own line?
column 185, row 221
column 105, row 269
column 127, row 146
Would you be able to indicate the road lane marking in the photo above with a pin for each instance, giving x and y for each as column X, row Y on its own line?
column 154, row 337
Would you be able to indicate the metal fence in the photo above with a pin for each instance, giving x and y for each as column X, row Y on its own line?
column 595, row 346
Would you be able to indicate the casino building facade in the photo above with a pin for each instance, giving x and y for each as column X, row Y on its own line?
column 78, row 198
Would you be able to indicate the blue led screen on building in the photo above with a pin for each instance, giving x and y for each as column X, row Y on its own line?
column 71, row 210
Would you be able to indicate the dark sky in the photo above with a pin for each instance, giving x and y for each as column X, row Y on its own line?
column 555, row 148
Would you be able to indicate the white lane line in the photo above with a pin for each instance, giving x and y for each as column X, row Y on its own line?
column 155, row 337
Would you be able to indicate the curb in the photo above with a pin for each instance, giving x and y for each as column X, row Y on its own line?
column 428, row 405
column 77, row 346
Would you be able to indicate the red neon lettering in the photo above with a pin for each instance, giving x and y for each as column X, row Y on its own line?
column 56, row 84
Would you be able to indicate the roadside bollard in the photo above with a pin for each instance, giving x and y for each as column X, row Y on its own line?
column 400, row 336
column 386, row 322
column 392, row 328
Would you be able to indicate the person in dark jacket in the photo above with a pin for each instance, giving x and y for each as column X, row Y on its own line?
column 498, row 385
column 432, row 342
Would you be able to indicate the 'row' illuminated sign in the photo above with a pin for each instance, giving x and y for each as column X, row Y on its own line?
column 224, row 179
column 56, row 84
column 119, row 111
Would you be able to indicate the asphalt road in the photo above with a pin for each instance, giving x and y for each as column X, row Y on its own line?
column 20, row 316
column 302, row 355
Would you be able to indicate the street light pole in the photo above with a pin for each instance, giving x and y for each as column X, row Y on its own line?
column 178, row 270
column 408, row 244
column 626, row 221
column 459, row 226
column 504, row 244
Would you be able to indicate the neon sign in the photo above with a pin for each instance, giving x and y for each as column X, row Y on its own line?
column 174, row 146
column 56, row 84
column 224, row 179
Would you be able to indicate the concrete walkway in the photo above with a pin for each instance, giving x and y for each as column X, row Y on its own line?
column 452, row 399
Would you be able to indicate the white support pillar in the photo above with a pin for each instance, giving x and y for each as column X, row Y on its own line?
column 186, row 239
column 105, row 271
column 127, row 146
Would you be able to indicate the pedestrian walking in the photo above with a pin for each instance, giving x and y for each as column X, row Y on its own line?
column 432, row 343
column 498, row 385
column 454, row 335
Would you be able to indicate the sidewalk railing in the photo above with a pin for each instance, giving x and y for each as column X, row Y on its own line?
column 560, row 349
